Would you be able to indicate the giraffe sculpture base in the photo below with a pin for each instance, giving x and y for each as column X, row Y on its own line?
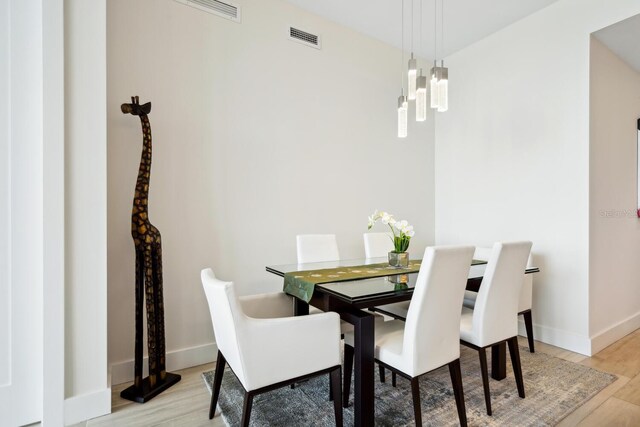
column 146, row 393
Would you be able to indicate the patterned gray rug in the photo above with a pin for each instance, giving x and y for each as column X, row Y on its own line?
column 554, row 388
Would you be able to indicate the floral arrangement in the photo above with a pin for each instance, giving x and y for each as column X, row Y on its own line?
column 402, row 231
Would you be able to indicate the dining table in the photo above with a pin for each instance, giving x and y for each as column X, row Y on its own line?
column 354, row 296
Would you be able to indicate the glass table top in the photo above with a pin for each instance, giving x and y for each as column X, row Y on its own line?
column 396, row 285
column 356, row 290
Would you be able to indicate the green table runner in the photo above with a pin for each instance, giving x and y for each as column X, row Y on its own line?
column 300, row 284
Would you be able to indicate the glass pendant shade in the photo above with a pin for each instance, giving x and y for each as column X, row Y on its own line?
column 413, row 71
column 433, row 87
column 421, row 98
column 443, row 90
column 402, row 116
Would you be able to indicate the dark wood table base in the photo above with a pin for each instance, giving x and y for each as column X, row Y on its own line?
column 499, row 361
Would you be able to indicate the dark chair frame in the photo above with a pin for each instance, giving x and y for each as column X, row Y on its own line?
column 515, row 362
column 526, row 314
column 335, row 376
column 454, row 371
column 528, row 324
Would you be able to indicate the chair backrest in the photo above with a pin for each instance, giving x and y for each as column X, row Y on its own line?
column 377, row 245
column 432, row 328
column 496, row 309
column 317, row 248
column 526, row 294
column 227, row 318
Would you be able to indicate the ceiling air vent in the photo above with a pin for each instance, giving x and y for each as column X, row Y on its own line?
column 225, row 9
column 304, row 37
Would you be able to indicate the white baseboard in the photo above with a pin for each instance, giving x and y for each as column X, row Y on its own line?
column 559, row 338
column 122, row 372
column 612, row 334
column 87, row 406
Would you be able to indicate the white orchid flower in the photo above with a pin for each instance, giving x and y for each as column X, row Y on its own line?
column 392, row 221
column 386, row 218
column 401, row 224
column 411, row 233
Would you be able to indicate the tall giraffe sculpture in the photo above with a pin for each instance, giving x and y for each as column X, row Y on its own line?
column 148, row 246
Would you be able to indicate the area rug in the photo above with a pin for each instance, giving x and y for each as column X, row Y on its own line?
column 554, row 388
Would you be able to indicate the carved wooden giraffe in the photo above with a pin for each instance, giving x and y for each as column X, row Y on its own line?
column 148, row 246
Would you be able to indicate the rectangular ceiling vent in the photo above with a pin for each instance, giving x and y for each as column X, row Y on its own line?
column 225, row 9
column 304, row 37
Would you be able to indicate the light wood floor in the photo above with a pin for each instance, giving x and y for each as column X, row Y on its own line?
column 187, row 403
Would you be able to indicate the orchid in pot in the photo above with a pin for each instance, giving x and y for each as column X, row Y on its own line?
column 402, row 234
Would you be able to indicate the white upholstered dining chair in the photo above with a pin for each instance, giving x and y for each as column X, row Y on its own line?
column 526, row 295
column 259, row 349
column 430, row 336
column 494, row 320
column 377, row 245
column 317, row 248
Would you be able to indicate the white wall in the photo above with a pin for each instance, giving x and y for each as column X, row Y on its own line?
column 21, row 394
column 53, row 220
column 614, row 228
column 256, row 139
column 5, row 195
column 86, row 383
column 512, row 153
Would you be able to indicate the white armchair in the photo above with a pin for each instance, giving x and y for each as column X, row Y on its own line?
column 430, row 336
column 524, row 303
column 494, row 317
column 269, row 351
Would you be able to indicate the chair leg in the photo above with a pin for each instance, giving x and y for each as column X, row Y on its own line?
column 415, row 393
column 517, row 367
column 330, row 390
column 217, row 382
column 348, row 369
column 382, row 375
column 485, row 379
column 393, row 379
column 456, row 381
column 528, row 324
column 334, row 378
column 246, row 409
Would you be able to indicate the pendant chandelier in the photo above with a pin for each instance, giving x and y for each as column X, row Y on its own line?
column 436, row 91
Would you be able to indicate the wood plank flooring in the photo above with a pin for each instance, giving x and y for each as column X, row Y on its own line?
column 186, row 404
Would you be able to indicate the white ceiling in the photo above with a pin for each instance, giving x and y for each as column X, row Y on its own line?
column 465, row 21
column 623, row 39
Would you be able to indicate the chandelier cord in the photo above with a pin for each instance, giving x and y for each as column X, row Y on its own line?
column 435, row 30
column 402, row 49
column 442, row 29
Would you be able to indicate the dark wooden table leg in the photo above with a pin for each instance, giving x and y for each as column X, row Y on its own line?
column 499, row 361
column 363, row 325
column 300, row 307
